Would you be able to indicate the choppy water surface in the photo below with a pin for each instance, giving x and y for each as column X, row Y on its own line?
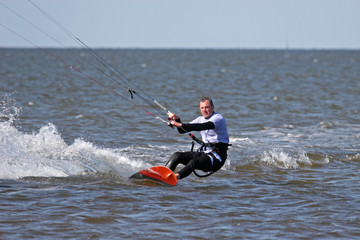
column 67, row 146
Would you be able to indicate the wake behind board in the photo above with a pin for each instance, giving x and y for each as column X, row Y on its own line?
column 159, row 173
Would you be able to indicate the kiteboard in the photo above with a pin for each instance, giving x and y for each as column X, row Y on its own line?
column 158, row 173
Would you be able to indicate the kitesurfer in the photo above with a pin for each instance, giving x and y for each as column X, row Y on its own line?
column 213, row 152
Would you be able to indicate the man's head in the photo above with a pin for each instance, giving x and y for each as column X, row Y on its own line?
column 206, row 107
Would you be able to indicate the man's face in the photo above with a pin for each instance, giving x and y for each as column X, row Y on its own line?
column 206, row 109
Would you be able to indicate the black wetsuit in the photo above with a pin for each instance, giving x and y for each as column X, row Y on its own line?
column 207, row 161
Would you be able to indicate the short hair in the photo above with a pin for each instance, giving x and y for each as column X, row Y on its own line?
column 207, row 99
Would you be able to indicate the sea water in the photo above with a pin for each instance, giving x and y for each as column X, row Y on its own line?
column 68, row 146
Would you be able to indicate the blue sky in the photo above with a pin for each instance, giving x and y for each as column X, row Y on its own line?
column 299, row 24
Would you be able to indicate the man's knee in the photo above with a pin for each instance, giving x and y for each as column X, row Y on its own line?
column 173, row 161
column 176, row 155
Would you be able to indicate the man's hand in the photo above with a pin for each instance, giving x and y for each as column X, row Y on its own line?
column 172, row 116
column 176, row 124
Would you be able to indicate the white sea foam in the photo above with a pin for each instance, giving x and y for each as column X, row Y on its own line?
column 46, row 154
column 279, row 158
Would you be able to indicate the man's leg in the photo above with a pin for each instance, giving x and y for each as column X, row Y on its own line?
column 181, row 157
column 202, row 162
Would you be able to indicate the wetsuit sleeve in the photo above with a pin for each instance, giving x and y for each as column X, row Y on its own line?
column 188, row 127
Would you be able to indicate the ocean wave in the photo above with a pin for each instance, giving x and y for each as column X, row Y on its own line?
column 281, row 159
column 46, row 154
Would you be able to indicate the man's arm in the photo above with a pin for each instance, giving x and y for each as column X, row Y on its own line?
column 188, row 127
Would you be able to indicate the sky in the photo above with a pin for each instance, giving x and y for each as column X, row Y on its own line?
column 244, row 24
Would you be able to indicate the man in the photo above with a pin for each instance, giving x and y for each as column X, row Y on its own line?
column 213, row 154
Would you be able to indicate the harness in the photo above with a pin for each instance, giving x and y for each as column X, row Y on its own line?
column 214, row 146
